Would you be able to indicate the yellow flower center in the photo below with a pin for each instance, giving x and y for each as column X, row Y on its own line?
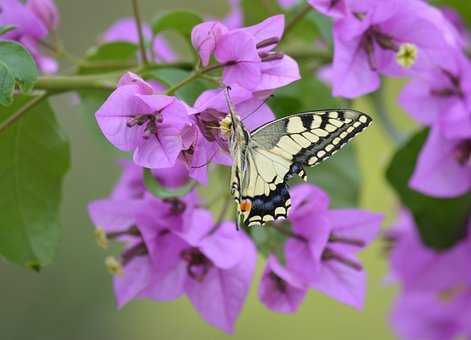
column 101, row 238
column 114, row 266
column 406, row 56
column 225, row 126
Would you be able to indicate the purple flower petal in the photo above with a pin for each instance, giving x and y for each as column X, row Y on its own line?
column 136, row 275
column 341, row 282
column 204, row 37
column 278, row 73
column 437, row 171
column 131, row 182
column 271, row 27
column 354, row 224
column 159, row 151
column 114, row 215
column 125, row 29
column 46, row 11
column 279, row 290
column 351, row 73
column 220, row 296
column 335, row 9
column 26, row 22
column 225, row 247
column 238, row 49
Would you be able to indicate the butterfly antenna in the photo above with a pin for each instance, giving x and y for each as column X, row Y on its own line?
column 258, row 107
column 229, row 103
column 205, row 164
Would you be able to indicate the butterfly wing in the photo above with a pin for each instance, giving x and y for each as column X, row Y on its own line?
column 278, row 150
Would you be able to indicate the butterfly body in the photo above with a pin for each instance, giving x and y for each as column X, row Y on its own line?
column 266, row 158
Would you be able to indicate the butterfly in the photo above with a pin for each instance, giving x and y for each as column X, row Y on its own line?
column 266, row 158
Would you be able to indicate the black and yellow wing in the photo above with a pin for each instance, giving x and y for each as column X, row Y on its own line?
column 280, row 149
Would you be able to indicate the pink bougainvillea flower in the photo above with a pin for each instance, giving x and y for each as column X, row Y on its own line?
column 323, row 250
column 332, row 8
column 247, row 53
column 116, row 219
column 442, row 96
column 443, row 168
column 376, row 39
column 204, row 37
column 46, row 11
column 427, row 316
column 237, row 51
column 133, row 118
column 421, row 269
column 26, row 23
column 341, row 276
column 280, row 290
column 125, row 30
column 212, row 264
column 32, row 23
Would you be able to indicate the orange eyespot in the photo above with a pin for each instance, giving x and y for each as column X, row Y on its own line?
column 245, row 206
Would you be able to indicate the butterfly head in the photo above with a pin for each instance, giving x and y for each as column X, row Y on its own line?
column 231, row 126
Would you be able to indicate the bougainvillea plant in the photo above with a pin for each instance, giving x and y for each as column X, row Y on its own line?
column 164, row 110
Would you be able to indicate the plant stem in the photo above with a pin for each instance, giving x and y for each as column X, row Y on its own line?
column 18, row 114
column 194, row 75
column 290, row 25
column 377, row 99
column 222, row 214
column 59, row 84
column 137, row 17
column 323, row 56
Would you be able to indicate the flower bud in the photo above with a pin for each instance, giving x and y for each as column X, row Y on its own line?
column 114, row 266
column 101, row 238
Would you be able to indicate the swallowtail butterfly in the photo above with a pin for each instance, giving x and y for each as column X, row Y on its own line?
column 266, row 158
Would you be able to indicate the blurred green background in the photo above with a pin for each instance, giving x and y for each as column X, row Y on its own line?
column 73, row 298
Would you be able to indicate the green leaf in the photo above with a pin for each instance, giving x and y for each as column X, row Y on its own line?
column 463, row 7
column 323, row 25
column 306, row 27
column 258, row 10
column 7, row 85
column 117, row 55
column 180, row 21
column 20, row 63
column 35, row 158
column 172, row 76
column 159, row 191
column 90, row 102
column 6, row 28
column 340, row 177
column 441, row 222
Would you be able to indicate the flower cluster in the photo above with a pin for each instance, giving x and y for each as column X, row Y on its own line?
column 32, row 23
column 174, row 247
column 374, row 38
column 247, row 54
column 320, row 253
column 435, row 297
